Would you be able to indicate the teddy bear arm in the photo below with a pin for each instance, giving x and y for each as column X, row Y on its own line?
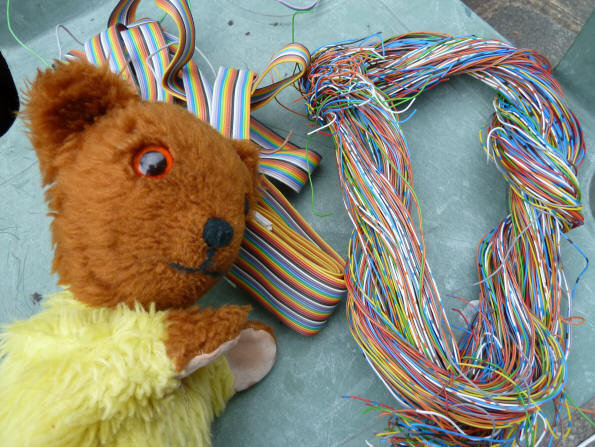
column 192, row 332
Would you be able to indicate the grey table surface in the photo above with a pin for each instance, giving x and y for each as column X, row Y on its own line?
column 462, row 197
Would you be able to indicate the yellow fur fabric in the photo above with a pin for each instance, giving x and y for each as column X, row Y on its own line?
column 80, row 376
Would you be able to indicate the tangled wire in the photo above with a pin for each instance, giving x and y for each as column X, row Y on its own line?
column 489, row 387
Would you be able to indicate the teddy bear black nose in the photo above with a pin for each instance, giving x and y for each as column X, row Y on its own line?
column 217, row 233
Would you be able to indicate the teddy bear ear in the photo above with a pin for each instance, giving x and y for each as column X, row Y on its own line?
column 250, row 155
column 62, row 102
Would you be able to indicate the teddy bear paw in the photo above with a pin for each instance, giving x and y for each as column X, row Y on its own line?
column 252, row 357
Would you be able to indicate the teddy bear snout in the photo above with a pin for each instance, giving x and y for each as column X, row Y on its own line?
column 217, row 233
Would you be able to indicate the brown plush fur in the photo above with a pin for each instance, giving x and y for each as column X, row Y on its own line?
column 116, row 234
column 193, row 331
column 205, row 330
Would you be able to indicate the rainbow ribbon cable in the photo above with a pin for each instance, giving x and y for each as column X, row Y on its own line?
column 289, row 165
column 294, row 273
column 490, row 387
column 283, row 263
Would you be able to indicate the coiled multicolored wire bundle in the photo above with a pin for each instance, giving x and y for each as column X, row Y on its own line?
column 283, row 263
column 490, row 387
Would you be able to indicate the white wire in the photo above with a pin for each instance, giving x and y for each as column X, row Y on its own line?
column 587, row 442
column 58, row 39
column 207, row 60
column 408, row 106
column 323, row 127
column 174, row 43
column 150, row 65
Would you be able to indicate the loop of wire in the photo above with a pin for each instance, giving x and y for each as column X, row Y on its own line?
column 489, row 387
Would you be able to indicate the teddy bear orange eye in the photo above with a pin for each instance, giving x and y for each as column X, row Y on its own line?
column 152, row 161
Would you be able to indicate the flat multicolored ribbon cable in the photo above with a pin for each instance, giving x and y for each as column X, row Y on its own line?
column 287, row 266
column 294, row 53
column 198, row 92
column 490, row 386
column 280, row 159
column 108, row 47
column 230, row 104
column 284, row 264
column 179, row 11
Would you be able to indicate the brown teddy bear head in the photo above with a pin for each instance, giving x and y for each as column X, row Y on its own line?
column 148, row 202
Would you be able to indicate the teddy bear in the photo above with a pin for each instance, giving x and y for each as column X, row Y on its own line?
column 148, row 206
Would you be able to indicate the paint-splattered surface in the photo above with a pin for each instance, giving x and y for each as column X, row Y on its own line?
column 549, row 26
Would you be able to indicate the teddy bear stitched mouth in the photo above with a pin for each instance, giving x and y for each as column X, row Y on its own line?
column 203, row 267
column 217, row 233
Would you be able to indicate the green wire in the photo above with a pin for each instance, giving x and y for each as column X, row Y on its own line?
column 587, row 418
column 293, row 23
column 309, row 136
column 33, row 52
column 310, row 180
